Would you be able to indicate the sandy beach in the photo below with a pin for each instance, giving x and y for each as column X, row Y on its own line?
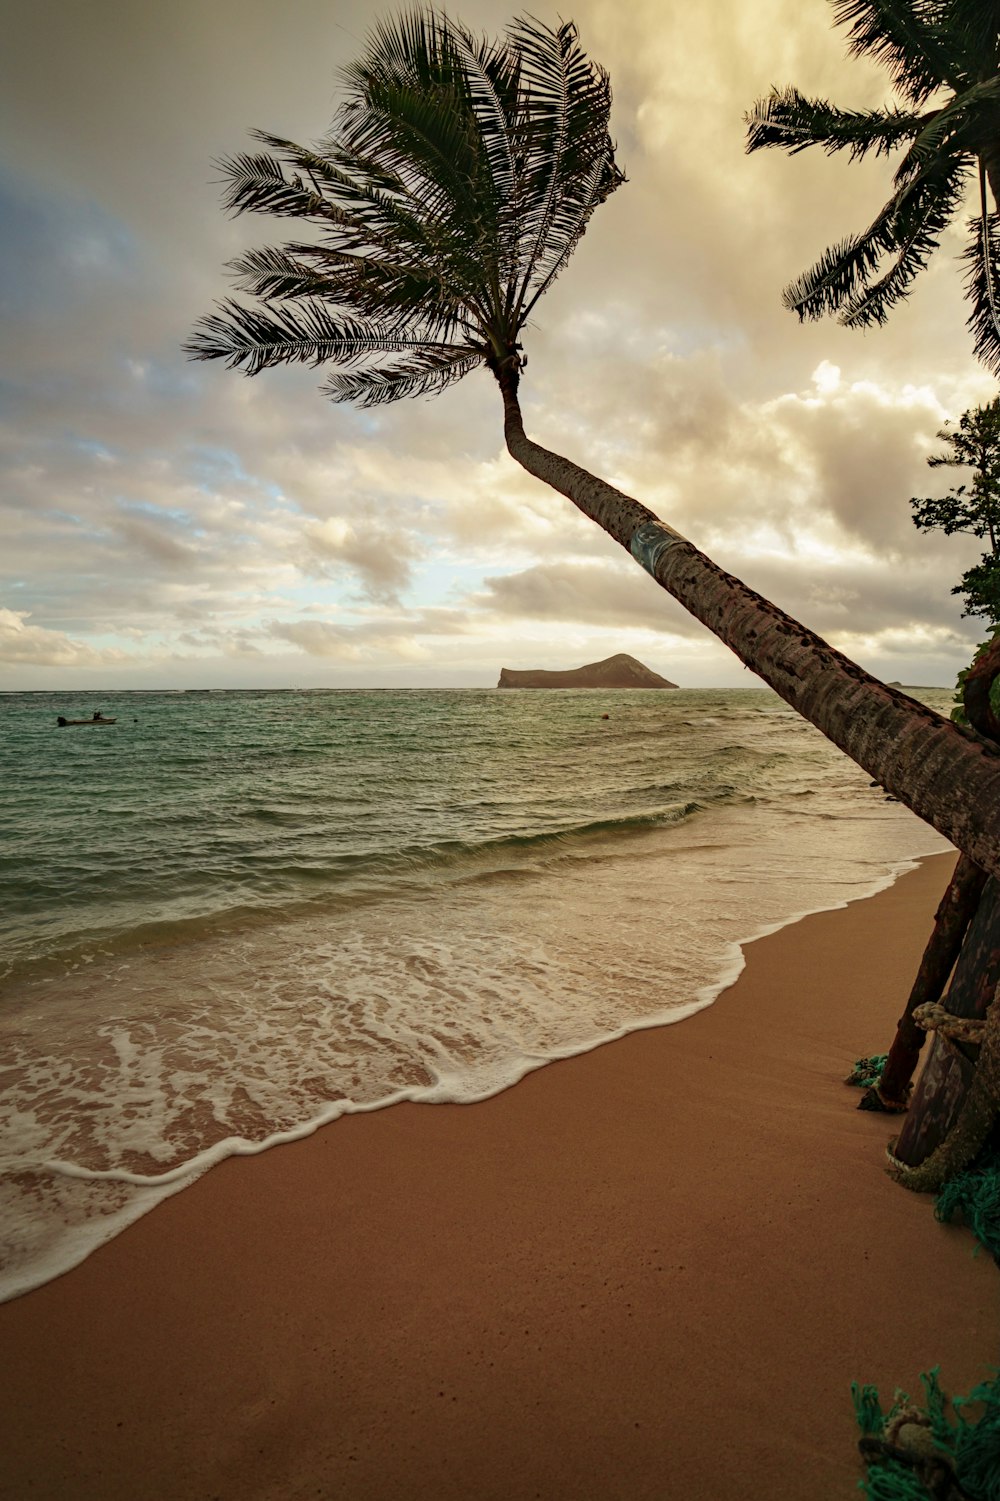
column 650, row 1271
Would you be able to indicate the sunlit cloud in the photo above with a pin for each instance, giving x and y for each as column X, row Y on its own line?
column 35, row 646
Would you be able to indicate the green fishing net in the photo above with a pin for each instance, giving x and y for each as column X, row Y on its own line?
column 931, row 1451
column 974, row 1194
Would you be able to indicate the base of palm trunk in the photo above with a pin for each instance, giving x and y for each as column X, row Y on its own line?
column 939, row 1130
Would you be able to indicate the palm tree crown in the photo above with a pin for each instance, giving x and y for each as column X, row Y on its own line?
column 458, row 178
column 944, row 60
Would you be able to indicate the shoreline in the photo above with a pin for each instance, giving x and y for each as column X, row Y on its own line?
column 156, row 1187
column 650, row 1269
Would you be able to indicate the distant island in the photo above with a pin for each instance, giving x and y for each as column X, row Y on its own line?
column 615, row 672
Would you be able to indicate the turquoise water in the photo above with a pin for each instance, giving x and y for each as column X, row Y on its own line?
column 197, row 806
column 230, row 916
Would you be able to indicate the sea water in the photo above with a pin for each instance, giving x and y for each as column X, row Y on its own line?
column 233, row 916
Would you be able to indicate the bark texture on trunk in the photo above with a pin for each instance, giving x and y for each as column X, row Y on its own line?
column 948, row 1113
column 950, row 777
column 950, row 1068
column 977, row 694
column 951, row 921
column 991, row 165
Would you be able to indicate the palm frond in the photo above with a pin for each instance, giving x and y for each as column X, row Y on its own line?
column 253, row 338
column 257, row 183
column 974, row 30
column 910, row 38
column 842, row 272
column 493, row 80
column 425, row 102
column 368, row 210
column 491, row 77
column 564, row 139
column 962, row 124
column 982, row 287
column 592, row 193
column 429, row 105
column 362, row 201
column 412, row 45
column 373, row 288
column 273, row 271
column 370, row 223
column 426, row 374
column 922, row 213
column 422, row 144
column 456, row 181
column 377, row 287
column 788, row 119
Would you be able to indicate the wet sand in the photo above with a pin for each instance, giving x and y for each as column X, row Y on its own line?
column 648, row 1272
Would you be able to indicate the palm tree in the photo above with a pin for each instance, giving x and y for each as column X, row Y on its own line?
column 458, row 180
column 943, row 57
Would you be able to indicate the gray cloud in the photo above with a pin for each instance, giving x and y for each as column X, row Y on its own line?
column 833, row 598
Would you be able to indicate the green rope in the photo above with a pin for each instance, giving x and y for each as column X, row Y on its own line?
column 867, row 1071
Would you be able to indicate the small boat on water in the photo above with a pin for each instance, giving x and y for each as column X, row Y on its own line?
column 97, row 718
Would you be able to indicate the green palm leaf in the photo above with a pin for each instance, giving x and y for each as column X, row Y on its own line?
column 253, row 339
column 425, row 374
column 787, row 118
column 982, row 257
column 963, row 124
column 939, row 52
column 921, row 217
column 842, row 272
column 974, row 30
column 256, row 183
column 911, row 39
column 569, row 158
column 277, row 272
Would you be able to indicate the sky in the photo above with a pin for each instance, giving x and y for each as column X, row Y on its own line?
column 165, row 523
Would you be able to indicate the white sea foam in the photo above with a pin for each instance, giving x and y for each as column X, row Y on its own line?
column 244, row 1039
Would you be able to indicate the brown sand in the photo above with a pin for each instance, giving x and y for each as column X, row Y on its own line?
column 651, row 1271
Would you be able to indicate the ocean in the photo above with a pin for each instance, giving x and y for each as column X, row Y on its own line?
column 233, row 916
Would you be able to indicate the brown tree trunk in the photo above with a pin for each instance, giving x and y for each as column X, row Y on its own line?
column 951, row 919
column 991, row 166
column 977, row 691
column 938, row 1132
column 950, row 777
column 950, row 1065
column 955, row 912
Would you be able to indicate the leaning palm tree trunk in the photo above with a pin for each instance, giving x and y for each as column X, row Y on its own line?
column 459, row 179
column 958, row 907
column 948, row 776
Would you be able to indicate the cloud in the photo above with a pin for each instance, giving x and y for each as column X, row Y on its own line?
column 33, row 645
column 181, row 514
column 592, row 593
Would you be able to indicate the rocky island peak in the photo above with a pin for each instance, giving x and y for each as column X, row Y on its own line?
column 619, row 671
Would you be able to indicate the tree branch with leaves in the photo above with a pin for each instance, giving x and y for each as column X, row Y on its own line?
column 972, row 508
